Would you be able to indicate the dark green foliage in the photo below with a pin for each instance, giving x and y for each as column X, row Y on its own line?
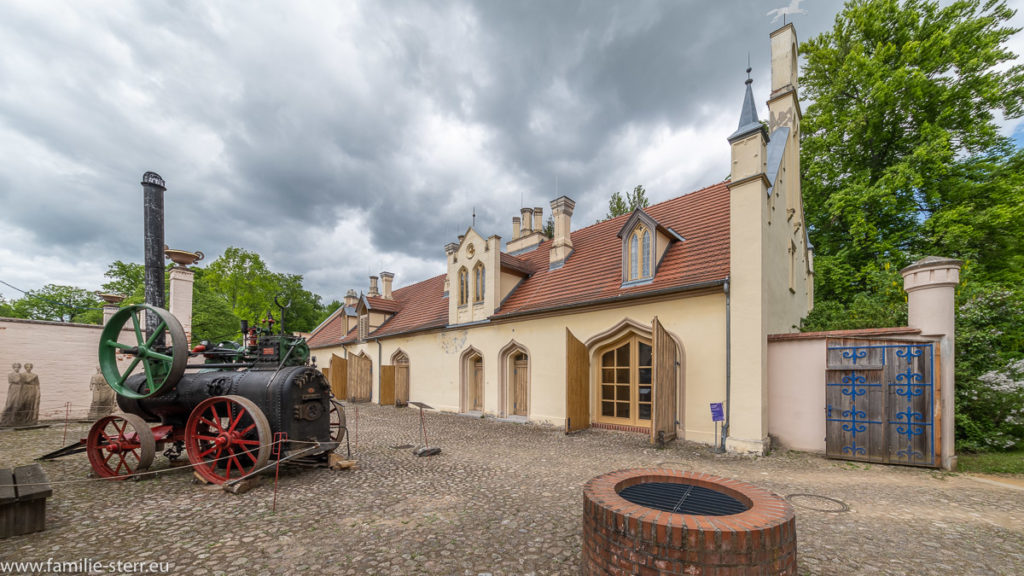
column 902, row 158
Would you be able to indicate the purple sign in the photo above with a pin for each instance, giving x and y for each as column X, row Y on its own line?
column 717, row 414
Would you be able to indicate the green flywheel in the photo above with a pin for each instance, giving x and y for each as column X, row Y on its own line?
column 161, row 355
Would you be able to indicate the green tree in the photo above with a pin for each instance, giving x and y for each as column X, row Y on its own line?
column 617, row 206
column 128, row 279
column 212, row 318
column 904, row 97
column 244, row 282
column 59, row 303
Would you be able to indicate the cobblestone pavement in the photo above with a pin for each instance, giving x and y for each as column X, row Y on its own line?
column 502, row 498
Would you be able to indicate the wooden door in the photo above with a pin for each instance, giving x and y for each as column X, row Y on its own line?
column 577, row 384
column 520, row 373
column 401, row 384
column 880, row 402
column 387, row 385
column 476, row 386
column 338, row 376
column 666, row 377
column 360, row 388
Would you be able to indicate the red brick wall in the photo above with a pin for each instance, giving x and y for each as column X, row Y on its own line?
column 621, row 538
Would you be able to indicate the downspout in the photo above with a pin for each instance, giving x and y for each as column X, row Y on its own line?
column 728, row 365
column 380, row 358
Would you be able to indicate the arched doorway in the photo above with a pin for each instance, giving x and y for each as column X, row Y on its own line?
column 625, row 382
column 472, row 381
column 515, row 380
column 401, row 362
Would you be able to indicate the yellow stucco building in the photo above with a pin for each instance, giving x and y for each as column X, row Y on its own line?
column 635, row 323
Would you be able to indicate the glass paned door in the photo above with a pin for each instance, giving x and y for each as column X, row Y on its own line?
column 626, row 383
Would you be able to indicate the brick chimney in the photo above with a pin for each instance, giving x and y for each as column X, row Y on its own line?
column 561, row 243
column 387, row 277
column 351, row 298
column 516, row 226
column 538, row 219
column 373, row 287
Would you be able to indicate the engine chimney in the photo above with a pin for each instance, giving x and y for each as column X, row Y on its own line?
column 373, row 287
column 561, row 243
column 387, row 277
column 153, row 207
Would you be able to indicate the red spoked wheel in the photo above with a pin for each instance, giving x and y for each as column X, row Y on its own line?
column 119, row 446
column 227, row 437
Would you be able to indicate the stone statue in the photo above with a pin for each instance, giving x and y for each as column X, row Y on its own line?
column 104, row 399
column 22, row 407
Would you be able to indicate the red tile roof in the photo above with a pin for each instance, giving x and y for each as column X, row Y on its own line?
column 379, row 304
column 593, row 272
column 329, row 332
column 516, row 264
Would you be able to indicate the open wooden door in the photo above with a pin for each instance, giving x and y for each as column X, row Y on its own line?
column 359, row 376
column 577, row 384
column 387, row 385
column 666, row 376
column 338, row 377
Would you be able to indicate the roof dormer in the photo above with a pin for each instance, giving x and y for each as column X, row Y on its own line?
column 644, row 243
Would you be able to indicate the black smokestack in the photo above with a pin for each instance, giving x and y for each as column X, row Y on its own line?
column 153, row 205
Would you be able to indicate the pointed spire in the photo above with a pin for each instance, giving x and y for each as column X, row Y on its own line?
column 749, row 122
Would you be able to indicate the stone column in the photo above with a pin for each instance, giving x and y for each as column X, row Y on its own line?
column 182, row 280
column 930, row 284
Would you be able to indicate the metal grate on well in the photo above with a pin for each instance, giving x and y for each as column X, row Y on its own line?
column 682, row 499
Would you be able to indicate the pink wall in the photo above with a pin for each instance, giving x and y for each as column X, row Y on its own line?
column 63, row 355
column 796, row 393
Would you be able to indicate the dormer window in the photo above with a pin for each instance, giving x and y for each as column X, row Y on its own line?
column 463, row 286
column 478, row 283
column 639, row 254
column 644, row 243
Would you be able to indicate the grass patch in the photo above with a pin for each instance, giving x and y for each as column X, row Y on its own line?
column 992, row 462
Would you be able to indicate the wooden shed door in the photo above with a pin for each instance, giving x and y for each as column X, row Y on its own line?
column 476, row 386
column 519, row 384
column 338, row 376
column 666, row 367
column 387, row 385
column 880, row 401
column 577, row 384
column 360, row 388
column 401, row 384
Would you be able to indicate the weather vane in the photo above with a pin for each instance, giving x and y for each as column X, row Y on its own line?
column 793, row 8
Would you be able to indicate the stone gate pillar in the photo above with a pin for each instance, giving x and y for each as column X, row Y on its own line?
column 931, row 284
column 182, row 280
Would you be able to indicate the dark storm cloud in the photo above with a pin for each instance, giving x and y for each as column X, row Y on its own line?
column 339, row 140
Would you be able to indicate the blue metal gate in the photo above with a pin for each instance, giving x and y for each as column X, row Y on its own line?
column 880, row 401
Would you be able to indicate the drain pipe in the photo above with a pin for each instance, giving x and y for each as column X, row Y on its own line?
column 380, row 360
column 728, row 365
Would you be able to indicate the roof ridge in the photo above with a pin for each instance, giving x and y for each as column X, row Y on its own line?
column 672, row 199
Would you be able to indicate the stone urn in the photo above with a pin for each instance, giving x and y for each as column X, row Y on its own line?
column 183, row 258
column 110, row 298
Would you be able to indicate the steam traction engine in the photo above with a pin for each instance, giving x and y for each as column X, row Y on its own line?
column 247, row 402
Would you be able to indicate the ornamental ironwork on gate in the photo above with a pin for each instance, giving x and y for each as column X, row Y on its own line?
column 880, row 402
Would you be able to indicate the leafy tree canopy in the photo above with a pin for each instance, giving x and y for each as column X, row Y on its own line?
column 617, row 205
column 901, row 131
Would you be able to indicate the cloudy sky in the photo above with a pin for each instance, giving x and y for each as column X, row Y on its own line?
column 339, row 139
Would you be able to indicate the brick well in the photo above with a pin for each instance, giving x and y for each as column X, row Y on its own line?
column 622, row 538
